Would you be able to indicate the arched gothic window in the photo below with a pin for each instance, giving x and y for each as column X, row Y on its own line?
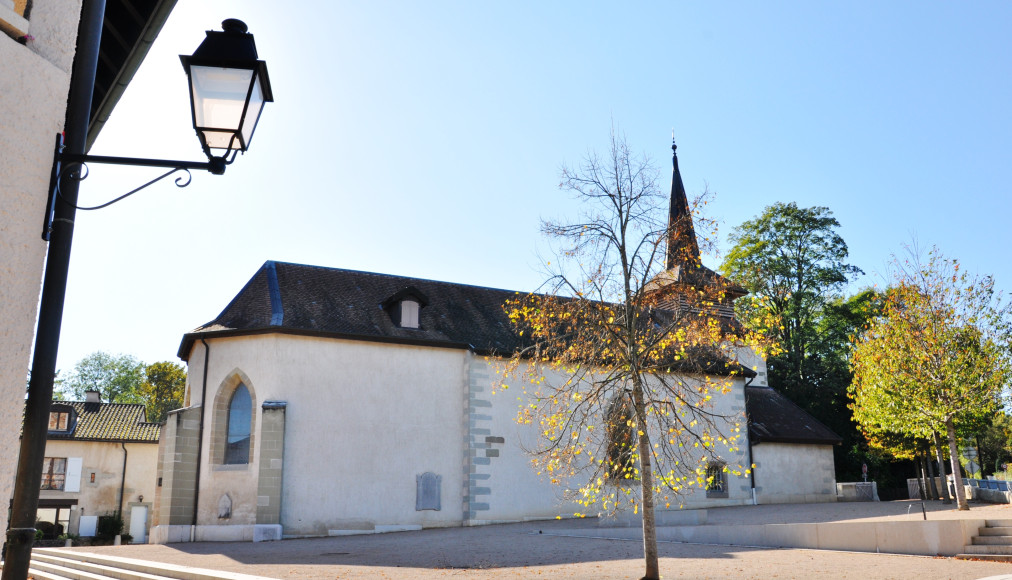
column 240, row 410
column 622, row 441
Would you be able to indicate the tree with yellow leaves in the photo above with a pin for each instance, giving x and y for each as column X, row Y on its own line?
column 632, row 348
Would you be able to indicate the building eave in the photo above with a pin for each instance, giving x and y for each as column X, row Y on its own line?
column 105, row 98
column 186, row 345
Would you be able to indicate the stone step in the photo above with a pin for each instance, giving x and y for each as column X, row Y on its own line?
column 998, row 523
column 53, row 570
column 981, row 549
column 43, row 575
column 992, row 540
column 142, row 569
column 988, row 557
column 1000, row 531
column 91, row 570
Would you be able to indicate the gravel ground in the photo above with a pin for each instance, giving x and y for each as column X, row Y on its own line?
column 542, row 550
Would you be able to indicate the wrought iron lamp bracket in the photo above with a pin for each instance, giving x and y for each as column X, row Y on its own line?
column 76, row 163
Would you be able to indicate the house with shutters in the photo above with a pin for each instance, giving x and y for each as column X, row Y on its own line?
column 100, row 461
column 324, row 401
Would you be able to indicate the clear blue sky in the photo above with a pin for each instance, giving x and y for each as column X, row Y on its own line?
column 425, row 139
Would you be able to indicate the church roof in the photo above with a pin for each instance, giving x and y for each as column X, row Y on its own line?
column 284, row 297
column 773, row 418
column 105, row 422
column 333, row 302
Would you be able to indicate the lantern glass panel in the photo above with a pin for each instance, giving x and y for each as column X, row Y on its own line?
column 256, row 104
column 219, row 96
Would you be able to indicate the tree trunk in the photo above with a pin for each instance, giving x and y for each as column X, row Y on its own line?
column 980, row 459
column 653, row 571
column 920, row 480
column 941, row 467
column 932, row 488
column 957, row 473
column 923, row 471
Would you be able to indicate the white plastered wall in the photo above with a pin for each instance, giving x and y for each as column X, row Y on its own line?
column 517, row 492
column 362, row 421
column 33, row 98
column 794, row 473
column 514, row 489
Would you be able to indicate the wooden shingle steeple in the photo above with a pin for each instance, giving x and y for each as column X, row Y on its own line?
column 683, row 249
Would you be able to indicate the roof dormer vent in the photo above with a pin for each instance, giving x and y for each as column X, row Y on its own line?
column 408, row 310
column 405, row 307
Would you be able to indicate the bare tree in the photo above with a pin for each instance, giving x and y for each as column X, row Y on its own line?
column 631, row 345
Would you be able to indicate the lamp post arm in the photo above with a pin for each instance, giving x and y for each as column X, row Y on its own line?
column 77, row 164
column 216, row 166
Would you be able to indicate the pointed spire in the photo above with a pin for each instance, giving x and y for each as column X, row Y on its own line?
column 682, row 246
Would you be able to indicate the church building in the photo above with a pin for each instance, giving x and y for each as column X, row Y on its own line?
column 324, row 402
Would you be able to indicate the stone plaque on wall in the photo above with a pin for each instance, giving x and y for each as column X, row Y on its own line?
column 427, row 495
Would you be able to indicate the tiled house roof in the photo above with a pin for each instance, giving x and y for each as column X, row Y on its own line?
column 106, row 422
column 774, row 418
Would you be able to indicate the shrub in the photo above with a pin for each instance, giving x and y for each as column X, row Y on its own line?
column 108, row 528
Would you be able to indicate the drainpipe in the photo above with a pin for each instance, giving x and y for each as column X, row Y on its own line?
column 200, row 437
column 748, row 435
column 122, row 481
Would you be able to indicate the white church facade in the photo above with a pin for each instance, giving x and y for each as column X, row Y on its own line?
column 324, row 401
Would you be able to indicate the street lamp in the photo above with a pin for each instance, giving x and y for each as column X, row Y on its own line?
column 228, row 89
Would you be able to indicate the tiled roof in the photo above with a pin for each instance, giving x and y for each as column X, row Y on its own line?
column 107, row 422
column 349, row 303
column 295, row 298
column 774, row 418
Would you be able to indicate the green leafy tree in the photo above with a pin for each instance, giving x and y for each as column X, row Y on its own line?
column 163, row 389
column 793, row 262
column 627, row 355
column 827, row 367
column 937, row 356
column 117, row 378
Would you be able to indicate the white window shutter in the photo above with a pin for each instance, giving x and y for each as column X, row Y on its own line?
column 73, row 478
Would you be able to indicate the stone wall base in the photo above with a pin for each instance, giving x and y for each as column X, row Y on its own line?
column 175, row 534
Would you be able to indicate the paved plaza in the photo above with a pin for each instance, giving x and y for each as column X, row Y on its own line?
column 580, row 549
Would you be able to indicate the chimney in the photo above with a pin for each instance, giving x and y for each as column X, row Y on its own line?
column 92, row 397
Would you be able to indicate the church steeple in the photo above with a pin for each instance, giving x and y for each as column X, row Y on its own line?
column 682, row 247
